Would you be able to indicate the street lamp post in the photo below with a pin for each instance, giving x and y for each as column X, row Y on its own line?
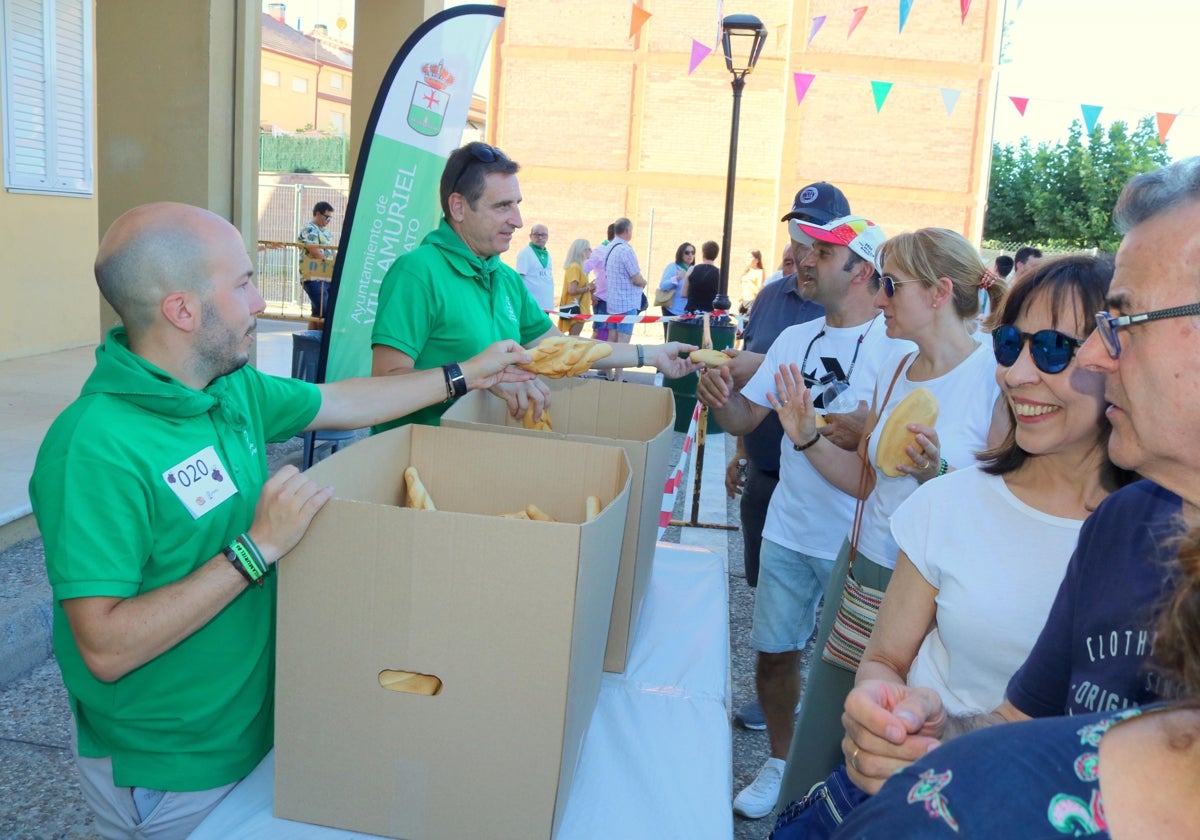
column 742, row 37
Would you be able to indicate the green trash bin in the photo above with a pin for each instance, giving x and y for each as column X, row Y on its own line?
column 723, row 333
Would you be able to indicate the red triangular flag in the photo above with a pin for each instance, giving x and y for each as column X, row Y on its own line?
column 966, row 6
column 854, row 21
column 803, row 82
column 1164, row 125
column 638, row 20
column 1021, row 102
column 699, row 53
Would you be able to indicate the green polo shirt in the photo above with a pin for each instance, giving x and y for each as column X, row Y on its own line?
column 440, row 303
column 138, row 483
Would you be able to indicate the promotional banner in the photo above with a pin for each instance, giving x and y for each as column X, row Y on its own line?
column 416, row 122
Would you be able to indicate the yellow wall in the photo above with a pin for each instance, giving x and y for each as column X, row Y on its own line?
column 292, row 111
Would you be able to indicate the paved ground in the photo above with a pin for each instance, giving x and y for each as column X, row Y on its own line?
column 39, row 797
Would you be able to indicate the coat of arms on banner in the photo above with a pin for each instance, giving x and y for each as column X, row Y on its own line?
column 430, row 100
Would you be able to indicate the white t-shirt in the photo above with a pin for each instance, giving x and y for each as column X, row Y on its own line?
column 966, row 397
column 997, row 564
column 539, row 281
column 807, row 513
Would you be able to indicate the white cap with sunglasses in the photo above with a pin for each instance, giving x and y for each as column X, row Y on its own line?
column 860, row 235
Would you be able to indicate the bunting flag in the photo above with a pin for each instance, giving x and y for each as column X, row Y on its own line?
column 699, row 53
column 1091, row 113
column 803, row 82
column 966, row 7
column 1165, row 121
column 950, row 99
column 905, row 8
column 780, row 33
column 1021, row 102
column 637, row 20
column 854, row 21
column 881, row 91
column 817, row 23
column 415, row 123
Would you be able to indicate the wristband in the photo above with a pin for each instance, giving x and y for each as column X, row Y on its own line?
column 943, row 468
column 800, row 447
column 247, row 559
column 456, row 381
column 641, row 356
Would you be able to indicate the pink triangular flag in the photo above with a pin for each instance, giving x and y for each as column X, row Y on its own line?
column 966, row 7
column 817, row 23
column 950, row 99
column 803, row 82
column 1165, row 121
column 854, row 21
column 1021, row 102
column 699, row 53
column 637, row 20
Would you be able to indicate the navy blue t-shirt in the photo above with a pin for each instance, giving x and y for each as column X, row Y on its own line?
column 1090, row 653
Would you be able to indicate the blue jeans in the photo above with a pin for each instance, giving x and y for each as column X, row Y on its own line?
column 818, row 813
column 318, row 293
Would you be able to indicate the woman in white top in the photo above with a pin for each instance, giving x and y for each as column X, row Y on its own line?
column 983, row 550
column 929, row 294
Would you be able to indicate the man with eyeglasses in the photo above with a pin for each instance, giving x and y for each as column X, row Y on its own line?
column 451, row 296
column 536, row 268
column 313, row 234
column 1092, row 651
column 801, row 536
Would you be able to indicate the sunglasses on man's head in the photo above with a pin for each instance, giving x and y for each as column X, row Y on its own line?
column 890, row 283
column 1051, row 350
column 481, row 152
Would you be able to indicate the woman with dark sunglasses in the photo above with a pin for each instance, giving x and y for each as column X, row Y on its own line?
column 929, row 294
column 982, row 551
column 672, row 278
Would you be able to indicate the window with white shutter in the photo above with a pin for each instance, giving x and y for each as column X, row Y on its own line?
column 46, row 96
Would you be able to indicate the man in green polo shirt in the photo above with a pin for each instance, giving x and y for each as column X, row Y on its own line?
column 161, row 524
column 452, row 295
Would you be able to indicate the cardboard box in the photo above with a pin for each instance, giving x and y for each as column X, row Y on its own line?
column 637, row 418
column 511, row 615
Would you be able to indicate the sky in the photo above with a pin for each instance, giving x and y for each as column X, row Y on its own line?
column 1133, row 58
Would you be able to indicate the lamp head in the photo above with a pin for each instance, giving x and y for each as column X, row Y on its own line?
column 742, row 37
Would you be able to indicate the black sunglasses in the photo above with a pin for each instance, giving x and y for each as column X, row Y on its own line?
column 481, row 152
column 1051, row 350
column 890, row 283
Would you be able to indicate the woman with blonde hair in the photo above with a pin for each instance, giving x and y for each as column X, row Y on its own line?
column 929, row 294
column 577, row 290
column 752, row 281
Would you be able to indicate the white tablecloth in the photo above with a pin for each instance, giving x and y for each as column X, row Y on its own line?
column 657, row 760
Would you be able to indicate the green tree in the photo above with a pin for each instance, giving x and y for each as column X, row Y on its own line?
column 1062, row 195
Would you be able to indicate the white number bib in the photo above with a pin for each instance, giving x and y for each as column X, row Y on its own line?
column 201, row 482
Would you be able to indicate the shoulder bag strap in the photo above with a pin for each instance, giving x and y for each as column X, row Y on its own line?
column 864, row 476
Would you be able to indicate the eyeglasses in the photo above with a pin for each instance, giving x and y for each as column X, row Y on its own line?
column 481, row 152
column 328, row 215
column 689, row 253
column 1109, row 324
column 1051, row 350
column 890, row 283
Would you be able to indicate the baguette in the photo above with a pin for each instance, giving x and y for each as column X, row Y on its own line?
column 410, row 683
column 593, row 508
column 709, row 358
column 565, row 355
column 542, row 424
column 418, row 496
column 921, row 406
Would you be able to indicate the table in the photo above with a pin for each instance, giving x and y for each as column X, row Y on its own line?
column 657, row 759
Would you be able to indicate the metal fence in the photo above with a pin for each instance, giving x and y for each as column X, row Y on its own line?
column 283, row 209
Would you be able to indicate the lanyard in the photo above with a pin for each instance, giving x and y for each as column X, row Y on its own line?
column 810, row 381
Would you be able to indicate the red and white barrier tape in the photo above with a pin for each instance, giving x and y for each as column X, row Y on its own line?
column 643, row 319
column 675, row 480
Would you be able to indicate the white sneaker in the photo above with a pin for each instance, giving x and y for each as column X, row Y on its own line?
column 758, row 799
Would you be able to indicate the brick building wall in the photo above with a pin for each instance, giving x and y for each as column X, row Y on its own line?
column 605, row 125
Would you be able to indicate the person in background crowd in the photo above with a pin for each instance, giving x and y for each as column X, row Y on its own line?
column 752, row 281
column 577, row 289
column 704, row 280
column 673, row 277
column 316, row 233
column 1026, row 259
column 594, row 266
column 536, row 268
